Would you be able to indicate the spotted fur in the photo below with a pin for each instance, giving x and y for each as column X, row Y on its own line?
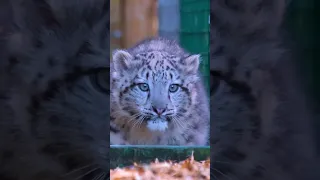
column 53, row 90
column 158, row 96
column 261, row 123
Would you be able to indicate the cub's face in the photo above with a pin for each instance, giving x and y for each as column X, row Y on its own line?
column 156, row 88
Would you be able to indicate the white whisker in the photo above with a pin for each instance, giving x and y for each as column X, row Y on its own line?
column 100, row 176
column 179, row 122
column 221, row 173
column 78, row 169
column 215, row 177
column 88, row 172
column 142, row 120
column 224, row 162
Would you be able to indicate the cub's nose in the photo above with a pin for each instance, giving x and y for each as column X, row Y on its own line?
column 159, row 111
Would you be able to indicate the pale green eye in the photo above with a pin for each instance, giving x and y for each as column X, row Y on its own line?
column 173, row 88
column 143, row 87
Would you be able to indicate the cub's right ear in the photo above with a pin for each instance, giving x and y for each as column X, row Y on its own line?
column 122, row 60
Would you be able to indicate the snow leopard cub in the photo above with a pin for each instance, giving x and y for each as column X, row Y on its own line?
column 157, row 96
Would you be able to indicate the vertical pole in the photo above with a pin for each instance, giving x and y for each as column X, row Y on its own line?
column 169, row 19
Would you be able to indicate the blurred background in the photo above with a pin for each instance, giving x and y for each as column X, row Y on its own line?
column 186, row 21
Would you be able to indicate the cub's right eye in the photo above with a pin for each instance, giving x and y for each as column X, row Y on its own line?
column 143, row 87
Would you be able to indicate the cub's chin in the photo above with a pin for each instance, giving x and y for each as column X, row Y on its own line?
column 157, row 124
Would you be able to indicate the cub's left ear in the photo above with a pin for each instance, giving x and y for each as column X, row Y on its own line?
column 122, row 60
column 191, row 63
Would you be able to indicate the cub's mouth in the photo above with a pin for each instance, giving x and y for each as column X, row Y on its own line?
column 153, row 122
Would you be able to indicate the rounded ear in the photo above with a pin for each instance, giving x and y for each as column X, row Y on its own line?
column 191, row 63
column 122, row 60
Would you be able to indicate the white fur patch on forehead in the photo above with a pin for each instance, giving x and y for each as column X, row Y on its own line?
column 161, row 55
column 161, row 62
column 158, row 60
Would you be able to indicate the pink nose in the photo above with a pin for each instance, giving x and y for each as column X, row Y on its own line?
column 159, row 111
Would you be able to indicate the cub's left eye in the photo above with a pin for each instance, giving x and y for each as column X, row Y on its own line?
column 143, row 87
column 173, row 88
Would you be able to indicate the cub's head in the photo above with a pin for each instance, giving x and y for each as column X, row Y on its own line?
column 154, row 88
